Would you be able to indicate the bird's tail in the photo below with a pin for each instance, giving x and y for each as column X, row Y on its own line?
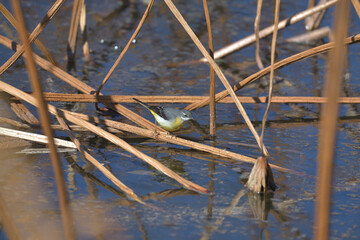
column 142, row 103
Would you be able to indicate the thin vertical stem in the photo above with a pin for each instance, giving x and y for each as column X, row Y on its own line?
column 73, row 31
column 273, row 47
column 112, row 69
column 45, row 121
column 257, row 26
column 328, row 123
column 212, row 72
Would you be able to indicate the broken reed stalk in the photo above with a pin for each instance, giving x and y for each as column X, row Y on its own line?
column 261, row 178
column 89, row 98
column 176, row 140
column 328, row 126
column 112, row 69
column 356, row 6
column 73, row 32
column 37, row 42
column 212, row 72
column 218, row 71
column 66, row 214
column 257, row 37
column 102, row 133
column 35, row 137
column 282, row 63
column 22, row 112
column 83, row 87
column 273, row 48
column 83, row 28
column 310, row 36
column 86, row 155
column 269, row 30
column 147, row 133
column 312, row 22
column 49, row 15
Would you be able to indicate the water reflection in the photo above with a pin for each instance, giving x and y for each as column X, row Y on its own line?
column 261, row 205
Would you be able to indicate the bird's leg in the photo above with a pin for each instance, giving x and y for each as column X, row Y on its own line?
column 155, row 132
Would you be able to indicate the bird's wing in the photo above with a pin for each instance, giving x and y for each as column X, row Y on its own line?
column 160, row 111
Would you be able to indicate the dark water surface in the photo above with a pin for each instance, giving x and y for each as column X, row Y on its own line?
column 231, row 212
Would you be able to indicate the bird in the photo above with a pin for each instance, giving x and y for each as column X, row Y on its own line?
column 171, row 119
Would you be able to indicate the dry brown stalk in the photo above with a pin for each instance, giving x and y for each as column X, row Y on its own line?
column 356, row 5
column 294, row 58
column 73, row 31
column 328, row 125
column 89, row 98
column 269, row 30
column 14, row 123
column 22, row 112
column 110, row 137
column 179, row 141
column 218, row 71
column 37, row 42
column 83, row 87
column 66, row 214
column 83, row 29
column 85, row 153
column 257, row 37
column 141, row 23
column 310, row 36
column 150, row 133
column 34, row 137
column 273, row 48
column 312, row 22
column 49, row 15
column 212, row 73
column 261, row 177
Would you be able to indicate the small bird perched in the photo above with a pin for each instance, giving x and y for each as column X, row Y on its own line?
column 171, row 119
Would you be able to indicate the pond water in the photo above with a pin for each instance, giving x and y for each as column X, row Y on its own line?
column 100, row 211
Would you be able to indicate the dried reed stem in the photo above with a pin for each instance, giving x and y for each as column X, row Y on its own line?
column 73, row 31
column 85, row 153
column 310, row 36
column 356, row 6
column 179, row 141
column 45, row 122
column 37, row 42
column 141, row 23
column 83, row 87
column 49, row 15
column 261, row 177
column 72, row 117
column 22, row 112
column 273, row 48
column 257, row 37
column 312, row 22
column 282, row 63
column 35, row 137
column 89, row 98
column 212, row 72
column 328, row 126
column 218, row 71
column 83, row 29
column 269, row 30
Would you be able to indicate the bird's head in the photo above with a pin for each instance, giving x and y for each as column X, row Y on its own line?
column 186, row 115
